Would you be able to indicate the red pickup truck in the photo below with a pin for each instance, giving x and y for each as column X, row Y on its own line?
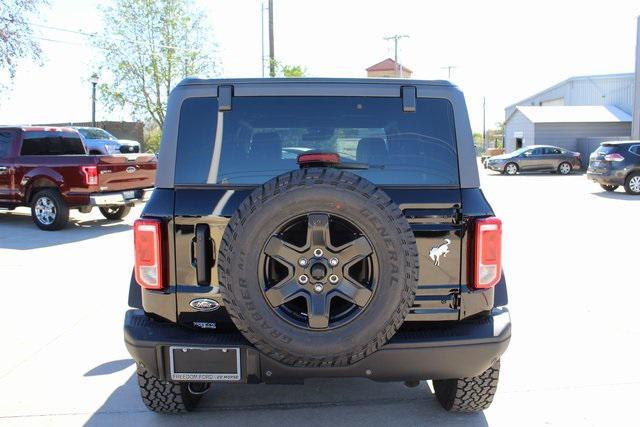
column 49, row 170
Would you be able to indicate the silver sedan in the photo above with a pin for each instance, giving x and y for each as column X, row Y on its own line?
column 536, row 158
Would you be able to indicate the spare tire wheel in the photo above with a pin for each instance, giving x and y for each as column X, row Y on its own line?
column 318, row 267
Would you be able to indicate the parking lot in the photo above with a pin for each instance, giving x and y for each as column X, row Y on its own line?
column 571, row 261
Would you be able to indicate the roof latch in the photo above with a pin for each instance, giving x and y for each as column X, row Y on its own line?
column 225, row 93
column 409, row 99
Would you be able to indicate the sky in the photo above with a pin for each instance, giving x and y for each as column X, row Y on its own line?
column 501, row 50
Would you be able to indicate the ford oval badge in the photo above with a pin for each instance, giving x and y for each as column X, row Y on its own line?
column 131, row 169
column 204, row 304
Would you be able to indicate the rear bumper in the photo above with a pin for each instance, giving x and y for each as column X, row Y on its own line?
column 120, row 198
column 609, row 178
column 462, row 349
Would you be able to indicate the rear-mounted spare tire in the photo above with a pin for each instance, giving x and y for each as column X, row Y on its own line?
column 318, row 267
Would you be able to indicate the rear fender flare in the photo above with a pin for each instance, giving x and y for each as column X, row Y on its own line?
column 40, row 177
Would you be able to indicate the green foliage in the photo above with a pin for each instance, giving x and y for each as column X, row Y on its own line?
column 149, row 46
column 152, row 137
column 284, row 70
column 293, row 71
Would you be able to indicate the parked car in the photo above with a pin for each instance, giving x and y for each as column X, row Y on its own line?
column 614, row 164
column 375, row 255
column 99, row 141
column 49, row 170
column 536, row 158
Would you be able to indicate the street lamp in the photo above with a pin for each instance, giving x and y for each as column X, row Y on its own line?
column 94, row 82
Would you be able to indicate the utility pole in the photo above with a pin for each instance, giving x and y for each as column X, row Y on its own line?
column 395, row 39
column 635, row 125
column 484, row 123
column 272, row 60
column 449, row 68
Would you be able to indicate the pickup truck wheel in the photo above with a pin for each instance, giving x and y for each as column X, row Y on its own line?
column 49, row 210
column 632, row 183
column 115, row 212
column 468, row 394
column 318, row 267
column 165, row 397
column 608, row 188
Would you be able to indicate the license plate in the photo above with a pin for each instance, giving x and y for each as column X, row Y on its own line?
column 129, row 194
column 205, row 363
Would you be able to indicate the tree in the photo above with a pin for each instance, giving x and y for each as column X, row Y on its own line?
column 149, row 46
column 16, row 35
column 293, row 71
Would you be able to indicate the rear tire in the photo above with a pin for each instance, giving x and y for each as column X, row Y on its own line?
column 632, row 184
column 468, row 394
column 49, row 211
column 564, row 168
column 609, row 188
column 511, row 168
column 115, row 212
column 165, row 397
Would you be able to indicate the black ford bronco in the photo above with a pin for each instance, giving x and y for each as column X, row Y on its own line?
column 317, row 228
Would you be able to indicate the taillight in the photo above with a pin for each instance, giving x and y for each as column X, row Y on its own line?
column 147, row 239
column 90, row 175
column 488, row 253
column 614, row 157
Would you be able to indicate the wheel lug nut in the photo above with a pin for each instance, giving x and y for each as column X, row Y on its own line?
column 318, row 253
column 303, row 262
column 333, row 261
column 318, row 287
column 303, row 279
column 333, row 279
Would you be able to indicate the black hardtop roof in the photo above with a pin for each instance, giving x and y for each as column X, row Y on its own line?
column 311, row 80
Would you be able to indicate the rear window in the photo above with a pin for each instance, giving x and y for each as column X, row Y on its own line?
column 51, row 144
column 608, row 149
column 261, row 137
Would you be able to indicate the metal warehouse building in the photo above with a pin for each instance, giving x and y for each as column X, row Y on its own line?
column 576, row 114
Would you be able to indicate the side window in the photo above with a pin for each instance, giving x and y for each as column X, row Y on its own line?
column 554, row 151
column 537, row 152
column 51, row 144
column 635, row 149
column 5, row 143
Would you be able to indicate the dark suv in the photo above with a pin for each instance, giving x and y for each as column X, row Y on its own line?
column 371, row 252
column 616, row 163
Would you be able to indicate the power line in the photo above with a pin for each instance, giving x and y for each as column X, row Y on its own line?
column 95, row 35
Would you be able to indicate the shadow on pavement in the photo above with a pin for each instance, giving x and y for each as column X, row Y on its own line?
column 319, row 402
column 17, row 231
column 619, row 195
column 110, row 367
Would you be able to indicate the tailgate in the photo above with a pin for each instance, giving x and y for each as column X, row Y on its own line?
column 126, row 172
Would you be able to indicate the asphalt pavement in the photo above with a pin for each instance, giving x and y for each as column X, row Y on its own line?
column 571, row 262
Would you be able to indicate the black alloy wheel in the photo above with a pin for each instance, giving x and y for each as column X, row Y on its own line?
column 319, row 271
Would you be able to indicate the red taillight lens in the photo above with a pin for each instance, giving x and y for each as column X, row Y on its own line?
column 488, row 253
column 147, row 239
column 615, row 157
column 90, row 175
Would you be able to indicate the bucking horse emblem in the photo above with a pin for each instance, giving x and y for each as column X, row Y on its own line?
column 438, row 251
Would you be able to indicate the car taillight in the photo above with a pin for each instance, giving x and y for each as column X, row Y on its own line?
column 90, row 175
column 147, row 239
column 614, row 157
column 488, row 253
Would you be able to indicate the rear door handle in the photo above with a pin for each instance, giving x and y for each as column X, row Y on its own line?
column 203, row 252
